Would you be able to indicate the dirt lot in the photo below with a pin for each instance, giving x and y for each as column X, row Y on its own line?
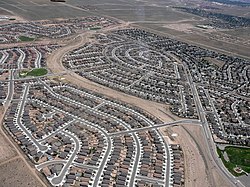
column 217, row 62
column 184, row 27
column 199, row 170
column 225, row 47
column 16, row 173
column 6, row 150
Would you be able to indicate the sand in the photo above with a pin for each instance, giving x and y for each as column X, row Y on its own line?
column 16, row 174
column 6, row 150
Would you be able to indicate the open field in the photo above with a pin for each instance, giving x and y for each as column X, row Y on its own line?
column 237, row 157
column 41, row 10
column 146, row 14
column 15, row 173
column 243, row 33
column 4, row 11
column 34, row 72
column 240, row 157
column 37, row 72
column 26, row 39
column 6, row 150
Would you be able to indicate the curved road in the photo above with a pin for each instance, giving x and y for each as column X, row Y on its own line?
column 19, row 121
column 207, row 132
column 58, row 180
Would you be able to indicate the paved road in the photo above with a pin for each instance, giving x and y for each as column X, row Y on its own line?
column 58, row 180
column 20, row 59
column 136, row 161
column 48, row 163
column 85, row 166
column 154, row 180
column 214, row 109
column 138, row 149
column 114, row 104
column 57, row 131
column 4, row 57
column 108, row 150
column 157, row 126
column 20, row 124
column 209, row 138
column 168, row 172
column 10, row 89
column 234, row 107
column 38, row 58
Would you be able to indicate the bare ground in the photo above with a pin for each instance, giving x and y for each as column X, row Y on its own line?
column 6, row 150
column 16, row 173
column 199, row 169
column 184, row 27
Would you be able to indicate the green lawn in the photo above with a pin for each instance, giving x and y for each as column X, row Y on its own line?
column 34, row 72
column 95, row 28
column 26, row 39
column 237, row 157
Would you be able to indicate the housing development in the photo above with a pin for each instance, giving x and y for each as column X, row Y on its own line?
column 90, row 98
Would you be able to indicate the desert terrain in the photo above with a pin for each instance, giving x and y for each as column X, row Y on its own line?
column 159, row 17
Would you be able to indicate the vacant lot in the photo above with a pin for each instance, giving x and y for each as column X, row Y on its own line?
column 16, row 174
column 206, row 42
column 217, row 62
column 6, row 150
column 41, row 10
column 242, row 33
column 126, row 10
column 184, row 27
